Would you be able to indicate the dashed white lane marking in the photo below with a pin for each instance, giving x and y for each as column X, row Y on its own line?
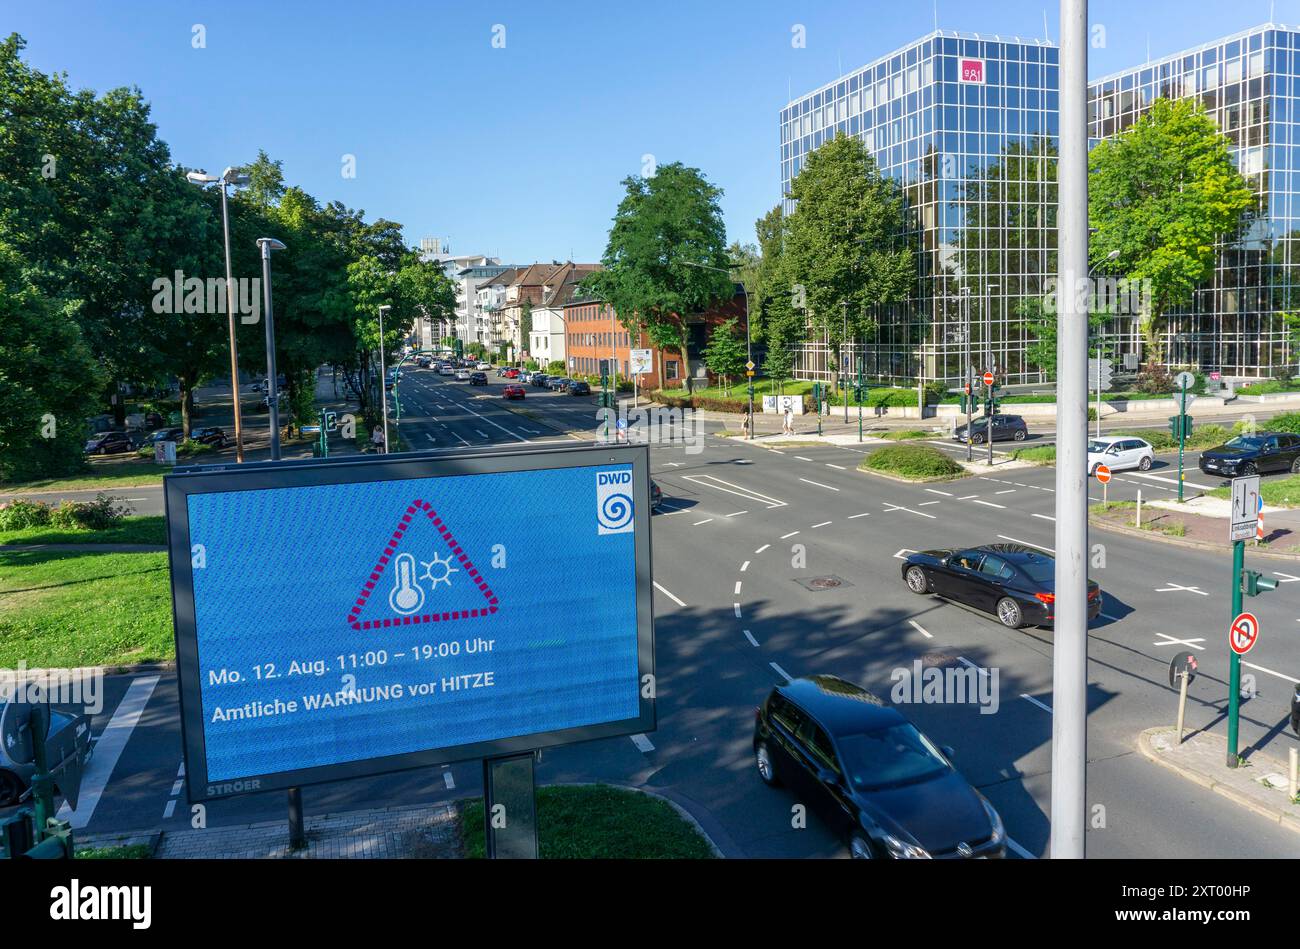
column 1007, row 491
column 854, row 517
column 737, row 513
column 836, row 467
column 822, row 524
column 744, row 566
column 483, row 434
column 660, row 587
column 705, row 521
column 1033, row 701
column 1280, row 675
column 791, row 534
column 1016, row 540
column 1020, row 851
column 899, row 507
column 970, row 665
column 1044, row 517
column 643, row 744
column 108, row 749
column 919, row 628
column 752, row 641
column 781, row 672
column 737, row 593
column 802, row 458
column 946, row 494
column 430, row 437
column 176, row 788
column 818, row 484
column 925, row 503
column 967, row 497
column 170, row 809
column 988, row 504
column 448, row 780
column 736, row 607
column 763, row 548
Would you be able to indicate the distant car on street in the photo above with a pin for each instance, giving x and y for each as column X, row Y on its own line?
column 540, row 379
column 559, row 383
column 16, row 778
column 578, row 387
column 1005, row 427
column 478, row 378
column 446, row 370
column 163, row 435
column 108, row 443
column 1261, row 453
column 209, row 436
column 482, row 364
column 878, row 782
column 656, row 495
column 462, row 375
column 1015, row 583
column 513, row 392
column 510, row 373
column 1120, row 453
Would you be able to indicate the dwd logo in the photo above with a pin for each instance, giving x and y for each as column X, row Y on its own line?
column 613, row 502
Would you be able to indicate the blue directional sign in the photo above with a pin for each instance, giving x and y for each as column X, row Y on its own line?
column 342, row 619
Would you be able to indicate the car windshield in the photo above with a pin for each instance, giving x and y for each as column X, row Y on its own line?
column 890, row 757
column 1247, row 442
column 1096, row 448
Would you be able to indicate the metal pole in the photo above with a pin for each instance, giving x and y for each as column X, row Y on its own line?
column 1070, row 655
column 1099, row 391
column 1182, row 440
column 1234, row 660
column 230, row 317
column 1182, row 703
column 272, row 386
column 843, row 340
column 297, row 829
column 749, row 358
column 383, row 377
column 970, row 385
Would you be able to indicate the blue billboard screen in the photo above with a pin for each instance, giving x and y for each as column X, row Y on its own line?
column 345, row 622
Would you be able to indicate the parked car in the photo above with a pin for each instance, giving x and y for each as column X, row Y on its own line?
column 541, row 380
column 510, row 373
column 513, row 392
column 1295, row 708
column 578, row 387
column 462, row 375
column 16, row 778
column 446, row 370
column 1015, row 583
column 559, row 383
column 163, row 435
column 1120, row 454
column 209, row 436
column 423, row 362
column 478, row 378
column 1262, row 453
column 656, row 495
column 482, row 364
column 391, row 380
column 1004, row 427
column 880, row 784
column 108, row 443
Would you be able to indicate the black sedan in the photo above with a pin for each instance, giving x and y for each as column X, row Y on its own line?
column 1015, row 583
column 209, row 436
column 164, row 435
column 478, row 378
column 1005, row 427
column 879, row 783
column 108, row 443
column 1263, row 453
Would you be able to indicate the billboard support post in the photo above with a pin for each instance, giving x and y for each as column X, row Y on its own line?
column 510, row 807
column 297, row 829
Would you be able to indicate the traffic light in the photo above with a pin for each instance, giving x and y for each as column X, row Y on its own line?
column 1180, row 426
column 458, row 347
column 1254, row 583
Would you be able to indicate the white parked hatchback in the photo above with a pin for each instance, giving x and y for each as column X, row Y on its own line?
column 1119, row 453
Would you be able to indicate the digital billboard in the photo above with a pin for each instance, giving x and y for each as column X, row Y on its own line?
column 344, row 618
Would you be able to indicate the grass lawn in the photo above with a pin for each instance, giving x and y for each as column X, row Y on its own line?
column 111, row 474
column 1279, row 492
column 906, row 434
column 129, row 530
column 132, row 852
column 913, row 462
column 1040, row 454
column 740, row 390
column 598, row 822
column 68, row 608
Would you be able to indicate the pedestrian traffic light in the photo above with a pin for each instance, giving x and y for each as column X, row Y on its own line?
column 1180, row 426
column 458, row 347
column 1255, row 583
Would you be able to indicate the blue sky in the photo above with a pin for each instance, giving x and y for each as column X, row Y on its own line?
column 519, row 151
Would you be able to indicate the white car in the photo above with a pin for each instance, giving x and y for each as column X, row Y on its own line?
column 446, row 371
column 1119, row 453
column 484, row 365
column 462, row 375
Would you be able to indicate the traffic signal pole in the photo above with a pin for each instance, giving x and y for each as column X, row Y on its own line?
column 1234, row 660
column 1182, row 440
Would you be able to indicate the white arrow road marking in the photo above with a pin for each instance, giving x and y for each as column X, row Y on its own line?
column 899, row 507
column 1286, row 577
column 108, row 749
column 781, row 672
column 710, row 481
column 818, row 484
column 909, row 550
column 1179, row 588
column 1171, row 641
column 750, row 636
column 919, row 628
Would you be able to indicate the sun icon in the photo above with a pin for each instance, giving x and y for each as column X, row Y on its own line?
column 445, row 571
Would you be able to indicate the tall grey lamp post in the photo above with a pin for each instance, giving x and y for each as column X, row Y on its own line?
column 267, row 245
column 383, row 376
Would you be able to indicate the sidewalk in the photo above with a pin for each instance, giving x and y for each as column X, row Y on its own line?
column 1259, row 784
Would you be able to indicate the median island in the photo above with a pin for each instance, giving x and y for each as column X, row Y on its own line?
column 911, row 463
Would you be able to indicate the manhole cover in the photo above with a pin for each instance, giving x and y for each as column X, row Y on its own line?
column 817, row 584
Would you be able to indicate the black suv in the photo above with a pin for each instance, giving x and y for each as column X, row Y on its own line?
column 1262, row 453
column 209, row 436
column 1004, row 427
column 108, row 443
column 578, row 387
column 478, row 378
column 880, row 784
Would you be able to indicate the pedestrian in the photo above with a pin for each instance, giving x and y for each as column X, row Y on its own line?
column 377, row 439
column 744, row 426
column 787, row 423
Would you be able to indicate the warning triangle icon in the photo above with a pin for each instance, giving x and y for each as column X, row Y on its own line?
column 420, row 565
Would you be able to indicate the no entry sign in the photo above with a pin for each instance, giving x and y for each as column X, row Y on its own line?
column 1243, row 633
column 988, row 378
column 1102, row 474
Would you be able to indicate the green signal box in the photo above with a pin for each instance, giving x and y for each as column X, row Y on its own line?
column 1253, row 583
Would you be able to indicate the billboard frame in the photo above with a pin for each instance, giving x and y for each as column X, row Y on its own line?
column 224, row 479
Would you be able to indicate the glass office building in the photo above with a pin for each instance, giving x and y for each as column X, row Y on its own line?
column 967, row 124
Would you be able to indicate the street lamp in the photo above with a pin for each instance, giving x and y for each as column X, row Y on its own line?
column 749, row 348
column 228, row 177
column 1092, row 270
column 383, row 376
column 268, row 244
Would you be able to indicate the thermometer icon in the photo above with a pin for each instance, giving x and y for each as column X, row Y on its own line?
column 406, row 597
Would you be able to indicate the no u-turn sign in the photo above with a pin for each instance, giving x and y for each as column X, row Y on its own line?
column 1243, row 633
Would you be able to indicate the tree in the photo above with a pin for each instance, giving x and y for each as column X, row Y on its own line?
column 666, row 257
column 1041, row 320
column 265, row 180
column 725, row 353
column 1162, row 193
column 843, row 249
column 778, row 362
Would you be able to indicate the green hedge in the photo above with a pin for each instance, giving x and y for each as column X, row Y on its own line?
column 99, row 514
column 916, row 462
column 1204, row 436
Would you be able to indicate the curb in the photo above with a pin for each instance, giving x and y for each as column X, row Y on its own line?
column 1181, row 542
column 142, row 668
column 901, row 480
column 1287, row 819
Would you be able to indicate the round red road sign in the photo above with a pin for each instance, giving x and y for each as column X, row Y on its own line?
column 988, row 378
column 1102, row 474
column 1243, row 633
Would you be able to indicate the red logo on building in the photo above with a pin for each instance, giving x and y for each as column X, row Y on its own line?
column 972, row 70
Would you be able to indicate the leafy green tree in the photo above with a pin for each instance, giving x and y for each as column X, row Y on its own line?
column 1040, row 320
column 266, row 180
column 725, row 353
column 1162, row 193
column 779, row 362
column 667, row 234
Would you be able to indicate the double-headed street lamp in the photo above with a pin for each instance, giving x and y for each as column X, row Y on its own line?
column 749, row 347
column 268, row 244
column 228, row 177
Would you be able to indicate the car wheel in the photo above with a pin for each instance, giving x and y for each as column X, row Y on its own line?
column 1295, row 466
column 860, row 848
column 1145, row 463
column 1010, row 614
column 11, row 788
column 977, row 439
column 766, row 766
column 1249, row 468
column 1020, row 435
column 917, row 581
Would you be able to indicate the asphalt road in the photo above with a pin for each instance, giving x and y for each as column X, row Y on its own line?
column 744, row 528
